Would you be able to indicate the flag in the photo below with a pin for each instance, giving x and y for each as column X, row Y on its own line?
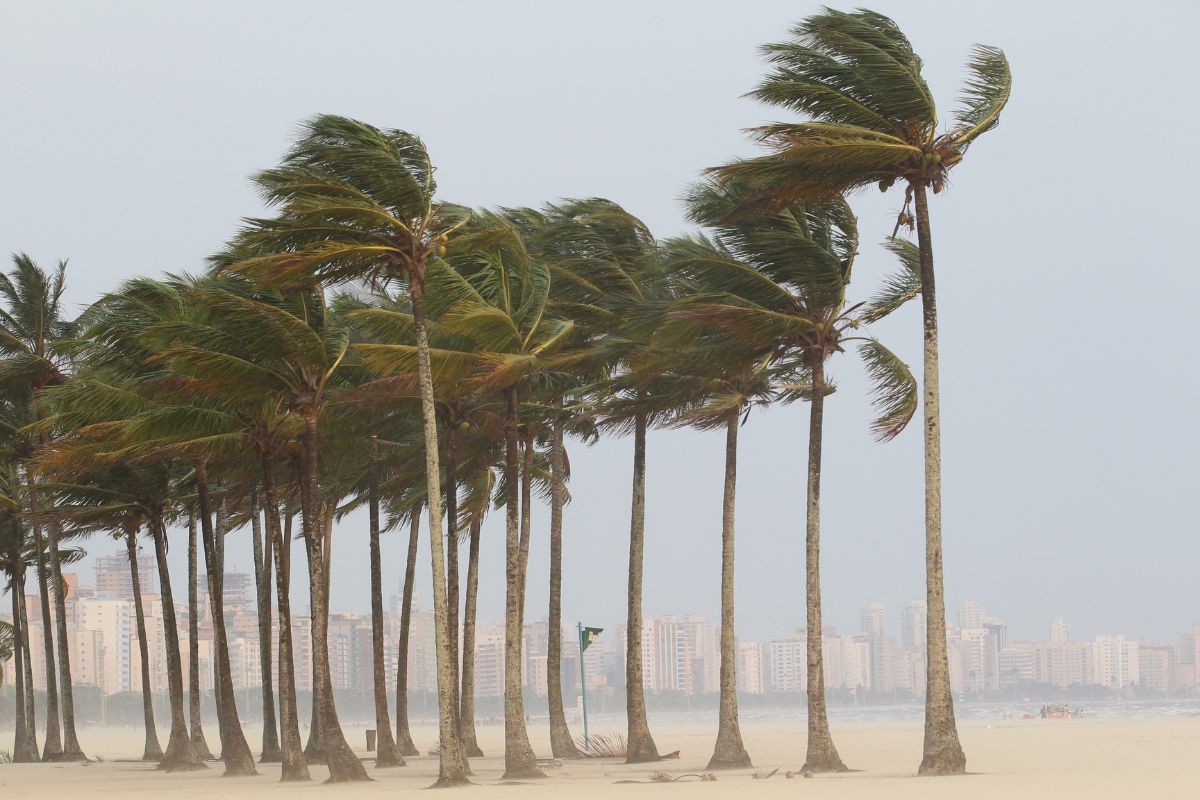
column 587, row 636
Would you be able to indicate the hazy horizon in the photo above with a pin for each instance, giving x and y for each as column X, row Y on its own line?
column 1069, row 427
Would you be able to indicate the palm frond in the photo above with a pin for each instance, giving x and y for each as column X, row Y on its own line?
column 894, row 392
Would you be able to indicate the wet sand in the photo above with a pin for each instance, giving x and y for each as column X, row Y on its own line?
column 1023, row 759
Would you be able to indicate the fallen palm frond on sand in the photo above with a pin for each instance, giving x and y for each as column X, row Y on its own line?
column 610, row 745
column 666, row 777
column 603, row 745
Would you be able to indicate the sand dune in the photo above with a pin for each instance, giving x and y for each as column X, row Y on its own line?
column 1022, row 759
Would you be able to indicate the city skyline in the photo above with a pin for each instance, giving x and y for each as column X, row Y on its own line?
column 680, row 651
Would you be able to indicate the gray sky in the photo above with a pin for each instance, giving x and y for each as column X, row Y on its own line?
column 1070, row 425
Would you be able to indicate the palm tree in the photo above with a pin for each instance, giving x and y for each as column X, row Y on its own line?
column 357, row 203
column 607, row 273
column 195, row 717
column 52, row 749
column 270, row 349
column 404, row 741
column 386, row 753
column 231, row 427
column 32, row 332
column 775, row 286
column 93, row 496
column 21, row 449
column 235, row 751
column 872, row 120
column 98, row 408
column 14, row 565
column 491, row 294
column 263, row 559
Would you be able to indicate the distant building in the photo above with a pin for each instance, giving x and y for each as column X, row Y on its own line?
column 913, row 618
column 874, row 619
column 750, row 668
column 1060, row 631
column 114, row 579
column 1115, row 662
column 1155, row 663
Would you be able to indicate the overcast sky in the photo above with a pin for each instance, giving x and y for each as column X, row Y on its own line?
column 1065, row 251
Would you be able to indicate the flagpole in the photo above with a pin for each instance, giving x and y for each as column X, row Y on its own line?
column 583, row 687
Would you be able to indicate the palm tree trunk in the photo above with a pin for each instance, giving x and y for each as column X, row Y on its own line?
column 404, row 742
column 27, row 666
column 466, row 696
column 519, row 760
column 262, row 585
column 344, row 765
column 235, row 752
column 385, row 748
column 561, row 743
column 822, row 755
column 452, row 570
column 639, row 743
column 452, row 770
column 25, row 749
column 943, row 754
column 729, row 752
column 180, row 755
column 217, row 574
column 314, row 751
column 52, row 750
column 153, row 750
column 526, row 517
column 197, row 735
column 71, row 749
column 295, row 768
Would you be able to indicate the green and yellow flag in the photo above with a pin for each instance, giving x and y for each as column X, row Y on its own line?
column 587, row 636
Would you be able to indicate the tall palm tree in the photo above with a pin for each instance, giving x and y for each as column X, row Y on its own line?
column 385, row 747
column 871, row 119
column 235, row 751
column 20, row 448
column 32, row 332
column 239, row 429
column 607, row 273
column 97, row 408
column 195, row 716
column 263, row 560
column 357, row 202
column 776, row 286
column 52, row 747
column 96, row 496
column 404, row 740
column 14, row 565
column 265, row 349
column 491, row 294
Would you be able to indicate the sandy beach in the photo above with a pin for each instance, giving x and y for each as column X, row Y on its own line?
column 1012, row 758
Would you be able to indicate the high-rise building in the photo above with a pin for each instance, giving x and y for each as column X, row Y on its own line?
column 1063, row 664
column 874, row 619
column 971, row 615
column 750, row 668
column 785, row 664
column 114, row 579
column 1115, row 662
column 856, row 662
column 1155, row 662
column 1016, row 663
column 913, row 618
column 1060, row 631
